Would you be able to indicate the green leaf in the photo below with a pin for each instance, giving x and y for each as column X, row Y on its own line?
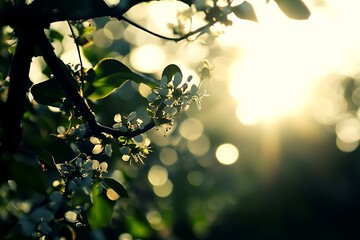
column 116, row 186
column 170, row 71
column 100, row 213
column 111, row 74
column 89, row 30
column 109, row 66
column 294, row 9
column 45, row 157
column 245, row 11
column 80, row 197
column 53, row 34
column 28, row 176
column 48, row 92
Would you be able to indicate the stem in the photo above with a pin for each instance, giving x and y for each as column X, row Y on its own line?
column 79, row 54
column 176, row 39
column 19, row 77
column 66, row 79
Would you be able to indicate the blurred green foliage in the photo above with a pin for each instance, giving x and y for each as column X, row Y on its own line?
column 182, row 191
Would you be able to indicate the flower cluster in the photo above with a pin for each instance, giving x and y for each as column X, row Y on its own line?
column 74, row 192
column 38, row 222
column 133, row 149
column 65, row 205
column 81, row 173
column 124, row 124
column 171, row 97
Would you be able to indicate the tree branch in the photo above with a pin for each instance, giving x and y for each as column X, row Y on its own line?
column 42, row 13
column 66, row 79
column 19, row 77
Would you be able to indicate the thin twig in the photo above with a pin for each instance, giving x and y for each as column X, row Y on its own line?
column 78, row 51
column 176, row 39
column 62, row 73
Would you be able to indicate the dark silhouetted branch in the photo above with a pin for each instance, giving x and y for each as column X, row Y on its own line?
column 19, row 82
column 66, row 79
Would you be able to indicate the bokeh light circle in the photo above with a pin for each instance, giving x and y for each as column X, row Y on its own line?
column 191, row 129
column 157, row 175
column 227, row 154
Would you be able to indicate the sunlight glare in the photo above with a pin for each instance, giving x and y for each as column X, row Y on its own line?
column 148, row 58
column 282, row 60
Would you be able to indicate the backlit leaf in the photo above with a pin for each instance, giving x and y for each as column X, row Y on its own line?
column 28, row 176
column 131, row 116
column 111, row 74
column 116, row 186
column 245, row 11
column 170, row 71
column 48, row 92
column 46, row 157
column 100, row 213
column 294, row 9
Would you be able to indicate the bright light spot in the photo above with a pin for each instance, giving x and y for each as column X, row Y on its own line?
column 348, row 130
column 157, row 175
column 282, row 60
column 138, row 12
column 103, row 38
column 69, row 53
column 61, row 129
column 193, row 53
column 168, row 156
column 167, row 10
column 112, row 195
column 346, row 146
column 148, row 58
column 37, row 66
column 125, row 236
column 191, row 129
column 56, row 183
column 144, row 90
column 115, row 28
column 326, row 111
column 112, row 2
column 164, row 190
column 247, row 115
column 200, row 146
column 227, row 154
column 54, row 109
column 154, row 218
column 70, row 216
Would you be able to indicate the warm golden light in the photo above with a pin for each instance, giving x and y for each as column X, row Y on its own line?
column 191, row 129
column 227, row 154
column 157, row 175
column 164, row 190
column 282, row 60
column 148, row 58
column 112, row 195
